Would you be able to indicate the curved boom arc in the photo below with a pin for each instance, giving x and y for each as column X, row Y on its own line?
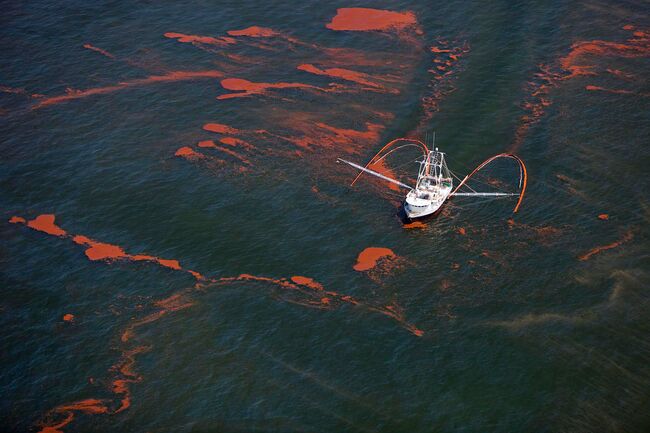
column 374, row 159
column 523, row 175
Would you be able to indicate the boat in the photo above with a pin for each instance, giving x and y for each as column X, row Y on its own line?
column 435, row 182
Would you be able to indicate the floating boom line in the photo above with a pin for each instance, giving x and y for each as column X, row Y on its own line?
column 523, row 178
column 374, row 159
column 374, row 173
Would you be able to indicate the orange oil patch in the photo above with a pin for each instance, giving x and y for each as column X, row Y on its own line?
column 45, row 223
column 248, row 88
column 306, row 281
column 196, row 39
column 99, row 250
column 17, row 220
column 236, row 142
column 220, row 128
column 462, row 231
column 367, row 19
column 370, row 257
column 603, row 216
column 572, row 65
column 616, row 91
column 205, row 143
column 189, row 153
column 597, row 250
column 415, row 225
column 381, row 168
column 98, row 50
column 446, row 56
column 345, row 74
column 90, row 406
column 254, row 32
column 68, row 317
column 153, row 79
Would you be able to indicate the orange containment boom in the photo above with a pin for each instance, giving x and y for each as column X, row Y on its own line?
column 376, row 158
column 523, row 175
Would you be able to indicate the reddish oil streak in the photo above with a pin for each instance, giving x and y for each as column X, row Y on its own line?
column 366, row 19
column 306, row 281
column 254, row 32
column 415, row 225
column 220, row 128
column 639, row 46
column 381, row 168
column 621, row 74
column 369, row 258
column 462, row 231
column 13, row 90
column 571, row 66
column 195, row 39
column 345, row 74
column 99, row 250
column 91, row 405
column 68, row 317
column 189, row 153
column 444, row 72
column 586, row 256
column 603, row 216
column 153, row 79
column 43, row 223
column 98, row 50
column 616, row 91
column 205, row 143
column 233, row 154
column 248, row 88
column 236, row 142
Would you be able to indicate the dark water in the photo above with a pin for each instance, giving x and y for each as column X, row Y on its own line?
column 526, row 325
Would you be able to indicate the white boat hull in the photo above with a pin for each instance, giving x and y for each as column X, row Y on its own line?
column 416, row 207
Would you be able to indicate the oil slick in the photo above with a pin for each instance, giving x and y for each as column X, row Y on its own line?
column 573, row 65
column 311, row 293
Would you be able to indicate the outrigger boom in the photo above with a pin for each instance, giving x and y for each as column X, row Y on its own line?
column 374, row 173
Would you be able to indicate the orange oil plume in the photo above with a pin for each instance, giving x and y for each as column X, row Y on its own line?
column 603, row 216
column 381, row 168
column 446, row 57
column 233, row 154
column 236, row 142
column 220, row 128
column 370, row 257
column 248, row 88
column 153, row 79
column 367, row 19
column 196, row 39
column 68, row 317
column 204, row 143
column 616, row 91
column 99, row 250
column 597, row 250
column 91, row 406
column 189, row 153
column 254, row 32
column 620, row 74
column 43, row 223
column 345, row 74
column 415, row 225
column 98, row 50
column 570, row 66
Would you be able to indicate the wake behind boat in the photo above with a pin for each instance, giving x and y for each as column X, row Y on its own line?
column 435, row 184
